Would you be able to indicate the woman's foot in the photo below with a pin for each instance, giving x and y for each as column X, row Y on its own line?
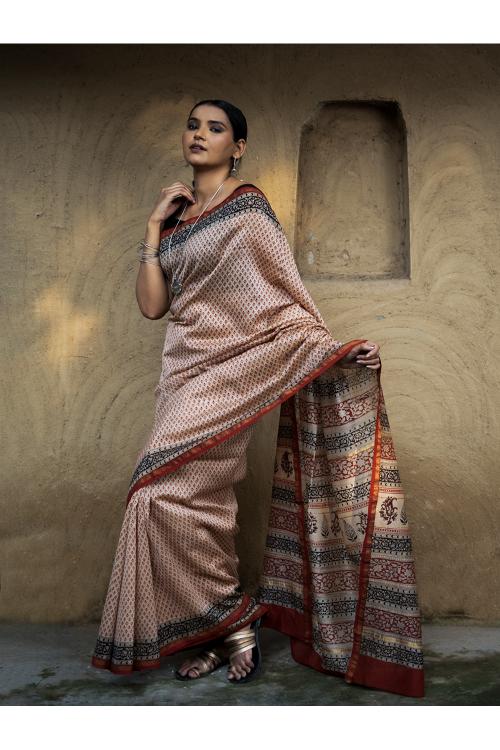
column 196, row 666
column 241, row 663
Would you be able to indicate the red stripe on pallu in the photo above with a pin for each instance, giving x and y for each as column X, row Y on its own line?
column 384, row 675
column 198, row 450
column 364, row 568
column 370, row 673
column 195, row 640
column 362, row 669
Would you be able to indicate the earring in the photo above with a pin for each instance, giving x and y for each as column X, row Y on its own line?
column 234, row 171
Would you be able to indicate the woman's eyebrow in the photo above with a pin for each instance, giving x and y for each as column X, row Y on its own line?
column 218, row 122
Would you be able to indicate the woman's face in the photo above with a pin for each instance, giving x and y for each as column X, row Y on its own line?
column 210, row 127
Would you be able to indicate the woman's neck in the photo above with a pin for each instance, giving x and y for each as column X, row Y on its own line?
column 206, row 185
column 195, row 209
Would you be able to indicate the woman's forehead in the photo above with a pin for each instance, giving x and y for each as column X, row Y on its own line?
column 210, row 113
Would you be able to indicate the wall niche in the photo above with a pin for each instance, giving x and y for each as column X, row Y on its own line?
column 352, row 199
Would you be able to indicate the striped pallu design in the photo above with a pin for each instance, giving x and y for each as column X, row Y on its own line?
column 338, row 572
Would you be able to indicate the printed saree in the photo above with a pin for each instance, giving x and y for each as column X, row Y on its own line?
column 338, row 574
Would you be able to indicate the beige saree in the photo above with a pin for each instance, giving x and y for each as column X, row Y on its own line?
column 338, row 575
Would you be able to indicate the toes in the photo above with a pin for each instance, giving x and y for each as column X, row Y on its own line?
column 247, row 664
column 239, row 670
column 190, row 667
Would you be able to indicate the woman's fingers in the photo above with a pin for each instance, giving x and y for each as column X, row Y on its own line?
column 371, row 350
column 371, row 357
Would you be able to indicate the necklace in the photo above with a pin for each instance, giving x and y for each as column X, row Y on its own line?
column 176, row 284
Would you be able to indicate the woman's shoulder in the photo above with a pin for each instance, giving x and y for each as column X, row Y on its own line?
column 248, row 187
column 254, row 191
column 253, row 200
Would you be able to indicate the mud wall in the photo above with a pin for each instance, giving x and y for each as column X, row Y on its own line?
column 382, row 164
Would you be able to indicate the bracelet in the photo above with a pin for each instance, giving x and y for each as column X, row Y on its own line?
column 141, row 252
column 151, row 261
column 146, row 244
column 151, row 256
column 143, row 245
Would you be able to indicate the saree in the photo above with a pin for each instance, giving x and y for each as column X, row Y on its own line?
column 338, row 577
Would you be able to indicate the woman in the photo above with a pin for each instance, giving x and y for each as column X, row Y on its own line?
column 245, row 336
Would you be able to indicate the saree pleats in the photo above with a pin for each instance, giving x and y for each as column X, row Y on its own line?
column 338, row 574
column 174, row 581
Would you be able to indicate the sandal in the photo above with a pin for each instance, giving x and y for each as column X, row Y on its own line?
column 244, row 640
column 210, row 660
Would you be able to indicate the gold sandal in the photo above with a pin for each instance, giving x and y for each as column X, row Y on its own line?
column 244, row 640
column 210, row 660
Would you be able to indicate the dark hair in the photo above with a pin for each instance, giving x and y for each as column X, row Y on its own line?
column 235, row 117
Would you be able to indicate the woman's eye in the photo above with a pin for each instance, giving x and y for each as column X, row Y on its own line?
column 217, row 130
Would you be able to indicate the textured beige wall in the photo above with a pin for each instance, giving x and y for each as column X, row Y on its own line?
column 88, row 136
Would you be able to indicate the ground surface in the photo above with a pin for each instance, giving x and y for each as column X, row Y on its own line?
column 49, row 665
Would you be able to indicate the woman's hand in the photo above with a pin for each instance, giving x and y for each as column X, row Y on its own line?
column 169, row 200
column 355, row 358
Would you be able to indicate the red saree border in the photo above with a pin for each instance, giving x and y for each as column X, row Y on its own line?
column 201, row 448
column 364, row 568
column 362, row 669
column 218, row 631
column 185, row 222
column 370, row 673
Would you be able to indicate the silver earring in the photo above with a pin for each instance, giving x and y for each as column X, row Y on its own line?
column 234, row 171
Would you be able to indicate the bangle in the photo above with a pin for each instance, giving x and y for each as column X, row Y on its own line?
column 146, row 244
column 151, row 261
column 152, row 255
column 143, row 244
column 149, row 254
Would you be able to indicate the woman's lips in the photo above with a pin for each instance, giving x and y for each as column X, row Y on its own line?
column 197, row 148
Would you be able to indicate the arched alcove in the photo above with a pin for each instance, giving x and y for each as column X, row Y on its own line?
column 352, row 219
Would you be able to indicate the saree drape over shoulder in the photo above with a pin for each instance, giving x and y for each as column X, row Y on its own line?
column 338, row 574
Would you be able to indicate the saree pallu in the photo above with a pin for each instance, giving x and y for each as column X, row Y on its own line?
column 338, row 575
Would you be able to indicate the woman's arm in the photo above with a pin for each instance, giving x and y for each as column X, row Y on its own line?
column 151, row 287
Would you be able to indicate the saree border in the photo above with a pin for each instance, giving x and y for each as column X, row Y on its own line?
column 220, row 437
column 217, row 631
column 364, row 568
column 363, row 669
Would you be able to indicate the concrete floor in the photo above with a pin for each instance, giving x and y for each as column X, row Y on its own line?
column 49, row 665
